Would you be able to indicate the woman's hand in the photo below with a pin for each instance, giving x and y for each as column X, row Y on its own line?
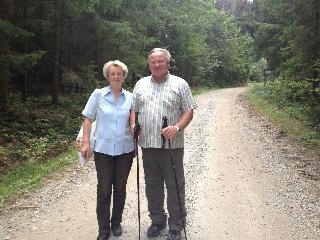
column 132, row 131
column 85, row 150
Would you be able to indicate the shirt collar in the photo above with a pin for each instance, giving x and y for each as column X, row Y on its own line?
column 162, row 81
column 108, row 90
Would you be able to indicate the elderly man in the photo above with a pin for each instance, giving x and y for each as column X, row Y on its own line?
column 154, row 97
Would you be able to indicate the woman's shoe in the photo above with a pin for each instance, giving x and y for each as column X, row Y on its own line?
column 116, row 229
column 174, row 235
column 103, row 236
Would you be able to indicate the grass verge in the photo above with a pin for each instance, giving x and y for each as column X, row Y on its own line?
column 32, row 174
column 290, row 118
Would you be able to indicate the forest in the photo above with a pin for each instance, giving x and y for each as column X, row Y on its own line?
column 52, row 53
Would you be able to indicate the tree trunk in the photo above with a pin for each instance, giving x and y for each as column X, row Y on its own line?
column 23, row 77
column 233, row 6
column 317, row 49
column 4, row 49
column 318, row 28
column 56, row 51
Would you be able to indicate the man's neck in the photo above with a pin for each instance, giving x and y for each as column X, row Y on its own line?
column 160, row 79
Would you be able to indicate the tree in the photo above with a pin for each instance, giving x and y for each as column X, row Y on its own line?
column 288, row 36
column 56, row 50
column 12, row 59
column 4, row 50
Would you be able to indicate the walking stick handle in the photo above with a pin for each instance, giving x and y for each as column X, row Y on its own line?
column 136, row 126
column 164, row 125
column 164, row 122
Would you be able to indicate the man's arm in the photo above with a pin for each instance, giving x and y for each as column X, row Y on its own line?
column 185, row 119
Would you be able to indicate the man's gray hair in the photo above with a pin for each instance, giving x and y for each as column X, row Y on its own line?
column 163, row 50
column 115, row 63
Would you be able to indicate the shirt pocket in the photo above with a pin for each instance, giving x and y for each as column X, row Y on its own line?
column 171, row 100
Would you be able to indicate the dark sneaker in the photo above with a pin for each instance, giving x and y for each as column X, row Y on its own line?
column 155, row 229
column 103, row 236
column 174, row 235
column 116, row 229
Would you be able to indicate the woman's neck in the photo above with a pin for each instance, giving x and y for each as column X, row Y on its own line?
column 116, row 90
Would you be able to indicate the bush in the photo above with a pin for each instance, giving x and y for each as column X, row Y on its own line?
column 36, row 130
column 298, row 94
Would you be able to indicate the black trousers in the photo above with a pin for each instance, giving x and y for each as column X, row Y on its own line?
column 112, row 174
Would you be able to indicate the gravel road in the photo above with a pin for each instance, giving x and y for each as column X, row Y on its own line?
column 244, row 180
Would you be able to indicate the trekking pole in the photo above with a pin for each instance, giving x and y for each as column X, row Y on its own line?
column 165, row 124
column 135, row 136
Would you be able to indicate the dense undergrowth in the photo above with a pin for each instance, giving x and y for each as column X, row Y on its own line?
column 36, row 140
column 293, row 107
column 35, row 129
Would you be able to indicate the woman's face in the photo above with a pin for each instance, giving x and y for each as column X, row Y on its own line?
column 115, row 76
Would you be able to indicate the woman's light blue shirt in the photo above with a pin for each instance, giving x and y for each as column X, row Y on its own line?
column 113, row 129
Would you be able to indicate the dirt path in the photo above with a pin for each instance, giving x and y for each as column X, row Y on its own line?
column 244, row 179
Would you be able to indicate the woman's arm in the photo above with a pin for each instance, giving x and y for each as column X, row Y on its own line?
column 85, row 149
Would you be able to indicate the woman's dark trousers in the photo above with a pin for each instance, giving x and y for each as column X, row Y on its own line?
column 112, row 174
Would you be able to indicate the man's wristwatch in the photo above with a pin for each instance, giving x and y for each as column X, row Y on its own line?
column 178, row 129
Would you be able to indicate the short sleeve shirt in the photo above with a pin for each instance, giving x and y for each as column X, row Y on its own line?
column 113, row 129
column 153, row 101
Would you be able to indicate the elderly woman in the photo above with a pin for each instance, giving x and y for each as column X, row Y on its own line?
column 113, row 149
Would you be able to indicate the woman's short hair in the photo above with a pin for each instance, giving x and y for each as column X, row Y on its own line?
column 115, row 63
column 163, row 50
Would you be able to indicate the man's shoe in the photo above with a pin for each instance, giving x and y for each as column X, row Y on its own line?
column 116, row 229
column 155, row 229
column 103, row 236
column 174, row 235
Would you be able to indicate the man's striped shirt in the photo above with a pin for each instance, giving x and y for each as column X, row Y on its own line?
column 171, row 98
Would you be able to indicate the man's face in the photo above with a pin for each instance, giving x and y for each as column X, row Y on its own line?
column 158, row 65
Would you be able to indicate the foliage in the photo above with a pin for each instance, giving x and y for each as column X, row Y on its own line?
column 230, row 53
column 293, row 118
column 287, row 94
column 10, row 30
column 288, row 36
column 35, row 135
column 23, row 63
column 125, row 30
column 257, row 70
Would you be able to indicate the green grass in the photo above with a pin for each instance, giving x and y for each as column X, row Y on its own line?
column 290, row 118
column 32, row 174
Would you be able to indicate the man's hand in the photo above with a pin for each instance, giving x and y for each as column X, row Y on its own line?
column 169, row 132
